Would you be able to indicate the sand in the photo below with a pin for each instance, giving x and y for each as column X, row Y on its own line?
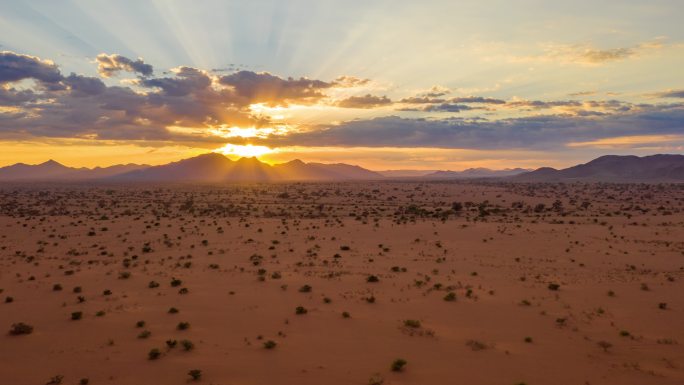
column 586, row 291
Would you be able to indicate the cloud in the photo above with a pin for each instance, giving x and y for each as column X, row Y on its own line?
column 672, row 94
column 110, row 65
column 588, row 54
column 477, row 99
column 196, row 106
column 350, row 81
column 187, row 80
column 272, row 90
column 446, row 107
column 421, row 100
column 366, row 101
column 15, row 67
column 84, row 85
column 537, row 132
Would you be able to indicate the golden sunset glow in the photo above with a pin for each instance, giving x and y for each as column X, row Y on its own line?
column 244, row 150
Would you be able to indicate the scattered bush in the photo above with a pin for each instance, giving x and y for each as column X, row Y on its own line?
column 398, row 365
column 450, row 297
column 154, row 354
column 301, row 310
column 20, row 328
column 195, row 374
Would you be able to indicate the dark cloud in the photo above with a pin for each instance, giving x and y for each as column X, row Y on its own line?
column 539, row 132
column 109, row 65
column 273, row 90
column 672, row 94
column 421, row 100
column 446, row 107
column 477, row 99
column 84, row 85
column 366, row 101
column 187, row 80
column 14, row 97
column 15, row 67
column 538, row 104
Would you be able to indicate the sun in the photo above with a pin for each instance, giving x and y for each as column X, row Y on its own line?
column 247, row 150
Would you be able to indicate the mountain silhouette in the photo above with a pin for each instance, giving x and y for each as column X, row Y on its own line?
column 473, row 173
column 213, row 167
column 614, row 168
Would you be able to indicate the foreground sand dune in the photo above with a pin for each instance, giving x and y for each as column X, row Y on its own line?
column 586, row 289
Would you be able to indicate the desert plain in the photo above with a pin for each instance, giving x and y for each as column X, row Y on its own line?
column 386, row 282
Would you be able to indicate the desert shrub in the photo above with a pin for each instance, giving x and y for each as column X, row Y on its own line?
column 154, row 354
column 476, row 345
column 398, row 365
column 55, row 380
column 301, row 310
column 345, row 314
column 195, row 374
column 56, row 287
column 412, row 323
column 144, row 334
column 605, row 345
column 173, row 310
column 187, row 345
column 305, row 289
column 20, row 328
column 140, row 324
column 171, row 344
column 77, row 315
column 450, row 297
column 153, row 284
column 175, row 282
column 183, row 291
column 372, row 279
column 554, row 286
column 270, row 344
column 183, row 326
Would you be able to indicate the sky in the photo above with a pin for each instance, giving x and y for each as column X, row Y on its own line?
column 382, row 84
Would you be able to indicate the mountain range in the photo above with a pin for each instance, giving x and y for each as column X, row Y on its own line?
column 614, row 168
column 213, row 167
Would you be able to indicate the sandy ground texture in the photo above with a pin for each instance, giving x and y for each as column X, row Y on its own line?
column 340, row 283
